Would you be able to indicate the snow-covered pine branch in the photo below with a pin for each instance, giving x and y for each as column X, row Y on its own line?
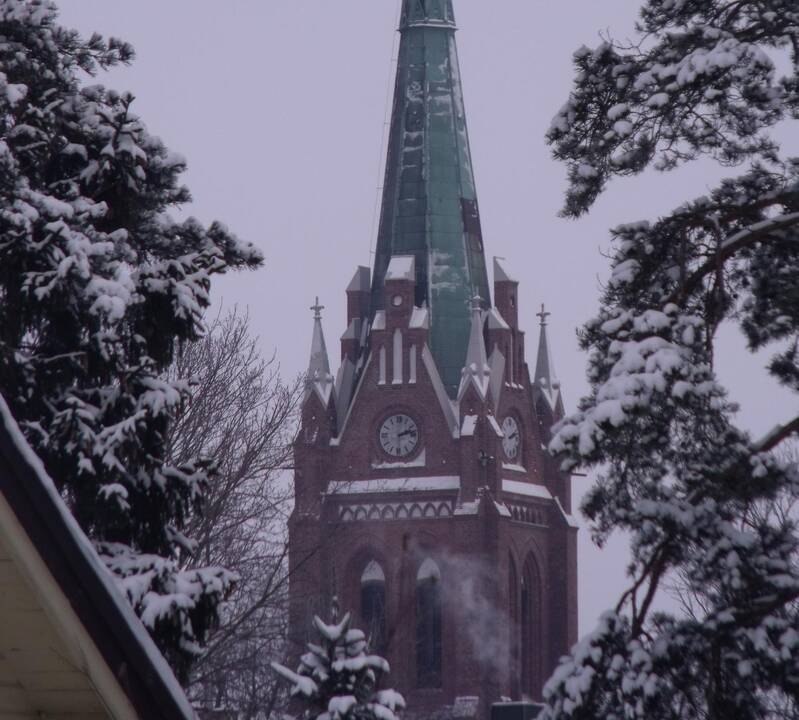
column 99, row 287
column 674, row 469
column 701, row 82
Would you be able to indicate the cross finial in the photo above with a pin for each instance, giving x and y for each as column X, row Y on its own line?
column 317, row 309
column 543, row 315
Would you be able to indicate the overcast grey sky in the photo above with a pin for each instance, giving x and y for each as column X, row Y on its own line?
column 279, row 108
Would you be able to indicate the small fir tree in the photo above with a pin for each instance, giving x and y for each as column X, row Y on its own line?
column 694, row 491
column 338, row 680
column 99, row 287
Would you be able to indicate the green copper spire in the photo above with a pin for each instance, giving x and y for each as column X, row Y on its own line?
column 429, row 201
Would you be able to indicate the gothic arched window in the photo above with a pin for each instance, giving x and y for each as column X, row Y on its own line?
column 373, row 604
column 428, row 625
column 529, row 627
column 513, row 614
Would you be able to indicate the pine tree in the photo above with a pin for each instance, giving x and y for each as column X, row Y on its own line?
column 338, row 680
column 99, row 287
column 694, row 490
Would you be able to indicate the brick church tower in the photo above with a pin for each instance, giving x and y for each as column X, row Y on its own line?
column 424, row 499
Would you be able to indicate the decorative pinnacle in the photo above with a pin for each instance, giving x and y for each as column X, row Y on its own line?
column 543, row 315
column 317, row 309
column 476, row 303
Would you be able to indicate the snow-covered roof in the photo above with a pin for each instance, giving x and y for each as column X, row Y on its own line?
column 435, row 483
column 353, row 331
column 361, row 281
column 514, row 467
column 78, row 593
column 350, row 402
column 441, row 392
column 500, row 273
column 468, row 426
column 502, row 509
column 492, row 421
column 420, row 319
column 417, row 462
column 401, row 267
column 496, row 321
column 379, row 323
column 345, row 382
column 524, row 488
column 571, row 521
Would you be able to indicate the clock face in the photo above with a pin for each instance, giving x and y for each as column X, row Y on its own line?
column 398, row 435
column 512, row 440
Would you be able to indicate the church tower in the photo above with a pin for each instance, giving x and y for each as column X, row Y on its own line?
column 424, row 499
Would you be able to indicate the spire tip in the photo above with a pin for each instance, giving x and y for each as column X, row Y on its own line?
column 543, row 315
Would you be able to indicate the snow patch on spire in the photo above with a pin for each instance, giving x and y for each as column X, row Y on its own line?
column 361, row 281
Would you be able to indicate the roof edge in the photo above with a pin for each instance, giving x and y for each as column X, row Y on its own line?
column 88, row 586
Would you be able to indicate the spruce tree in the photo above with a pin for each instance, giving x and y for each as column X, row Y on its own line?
column 698, row 495
column 99, row 287
column 338, row 679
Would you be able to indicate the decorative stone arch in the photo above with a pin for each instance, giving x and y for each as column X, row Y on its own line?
column 402, row 512
column 374, row 513
column 347, row 515
column 416, row 511
column 430, row 511
column 388, row 513
column 445, row 511
column 360, row 514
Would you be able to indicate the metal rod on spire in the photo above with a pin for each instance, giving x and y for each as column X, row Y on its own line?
column 317, row 309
